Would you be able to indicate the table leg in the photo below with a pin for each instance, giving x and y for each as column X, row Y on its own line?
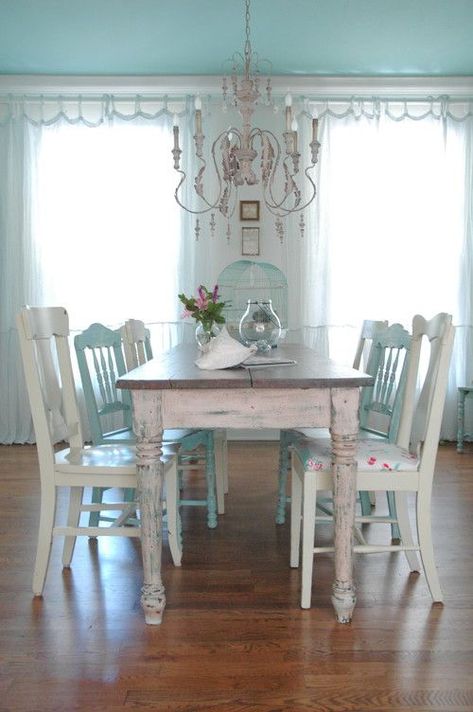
column 344, row 433
column 147, row 425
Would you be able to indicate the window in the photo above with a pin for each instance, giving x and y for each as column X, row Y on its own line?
column 107, row 227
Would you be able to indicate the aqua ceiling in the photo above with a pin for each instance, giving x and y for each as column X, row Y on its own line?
column 185, row 37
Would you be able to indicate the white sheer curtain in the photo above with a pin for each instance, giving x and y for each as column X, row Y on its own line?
column 88, row 221
column 19, row 270
column 392, row 230
column 86, row 190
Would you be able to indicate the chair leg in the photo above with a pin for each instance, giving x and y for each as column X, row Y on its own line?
column 75, row 500
column 221, row 480
column 365, row 502
column 210, row 476
column 282, row 477
column 308, row 536
column 424, row 532
column 395, row 533
column 172, row 512
column 296, row 518
column 405, row 529
column 45, row 539
column 460, row 420
column 221, row 457
column 97, row 495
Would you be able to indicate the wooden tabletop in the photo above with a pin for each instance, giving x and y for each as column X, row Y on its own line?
column 176, row 369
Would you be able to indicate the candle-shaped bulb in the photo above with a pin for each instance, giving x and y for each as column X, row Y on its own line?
column 288, row 100
column 175, row 131
column 198, row 114
column 175, row 120
column 294, row 124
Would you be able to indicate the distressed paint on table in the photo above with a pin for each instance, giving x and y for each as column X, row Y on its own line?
column 170, row 392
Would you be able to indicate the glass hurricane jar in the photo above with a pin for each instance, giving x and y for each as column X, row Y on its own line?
column 260, row 325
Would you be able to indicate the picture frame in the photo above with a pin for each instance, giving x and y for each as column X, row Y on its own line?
column 249, row 209
column 250, row 240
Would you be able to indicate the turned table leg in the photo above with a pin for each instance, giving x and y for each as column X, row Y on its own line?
column 147, row 425
column 344, row 432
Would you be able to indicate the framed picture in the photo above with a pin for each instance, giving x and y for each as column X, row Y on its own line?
column 249, row 209
column 250, row 240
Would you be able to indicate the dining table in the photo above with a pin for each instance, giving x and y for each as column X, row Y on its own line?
column 171, row 391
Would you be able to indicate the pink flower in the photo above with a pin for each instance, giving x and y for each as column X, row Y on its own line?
column 185, row 314
column 215, row 294
column 314, row 464
column 202, row 302
column 386, row 466
column 371, row 460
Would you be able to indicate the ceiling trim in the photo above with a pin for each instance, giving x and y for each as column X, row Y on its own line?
column 308, row 86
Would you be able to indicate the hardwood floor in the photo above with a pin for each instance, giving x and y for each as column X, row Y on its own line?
column 233, row 636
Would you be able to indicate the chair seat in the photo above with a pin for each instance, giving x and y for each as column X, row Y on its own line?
column 116, row 460
column 372, row 455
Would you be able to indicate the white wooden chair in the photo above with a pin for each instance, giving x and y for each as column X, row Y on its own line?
column 43, row 335
column 137, row 348
column 407, row 466
column 288, row 437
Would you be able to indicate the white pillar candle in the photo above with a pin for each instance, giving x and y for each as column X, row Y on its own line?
column 288, row 102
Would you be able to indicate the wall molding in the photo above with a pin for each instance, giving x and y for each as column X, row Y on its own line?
column 312, row 87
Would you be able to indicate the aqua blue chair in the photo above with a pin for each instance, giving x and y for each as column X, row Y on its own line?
column 101, row 361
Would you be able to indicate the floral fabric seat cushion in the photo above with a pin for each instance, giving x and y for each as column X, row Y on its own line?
column 372, row 454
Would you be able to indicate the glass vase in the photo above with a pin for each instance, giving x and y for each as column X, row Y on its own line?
column 204, row 335
column 260, row 325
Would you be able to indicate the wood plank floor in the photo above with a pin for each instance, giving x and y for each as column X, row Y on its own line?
column 233, row 636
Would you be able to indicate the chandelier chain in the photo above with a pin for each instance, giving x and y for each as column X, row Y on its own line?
column 248, row 40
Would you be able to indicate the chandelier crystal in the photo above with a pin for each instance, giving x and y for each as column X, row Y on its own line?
column 235, row 150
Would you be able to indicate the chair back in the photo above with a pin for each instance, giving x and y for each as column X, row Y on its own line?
column 380, row 408
column 368, row 330
column 421, row 417
column 44, row 343
column 136, row 343
column 101, row 362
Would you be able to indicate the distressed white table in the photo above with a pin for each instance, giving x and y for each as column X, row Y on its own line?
column 171, row 392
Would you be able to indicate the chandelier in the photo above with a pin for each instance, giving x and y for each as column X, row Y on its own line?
column 235, row 150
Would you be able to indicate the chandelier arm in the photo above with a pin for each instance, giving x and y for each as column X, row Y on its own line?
column 210, row 206
column 271, row 202
column 281, row 212
column 223, row 208
column 181, row 204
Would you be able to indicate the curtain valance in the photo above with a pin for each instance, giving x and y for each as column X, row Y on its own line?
column 90, row 111
column 44, row 110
